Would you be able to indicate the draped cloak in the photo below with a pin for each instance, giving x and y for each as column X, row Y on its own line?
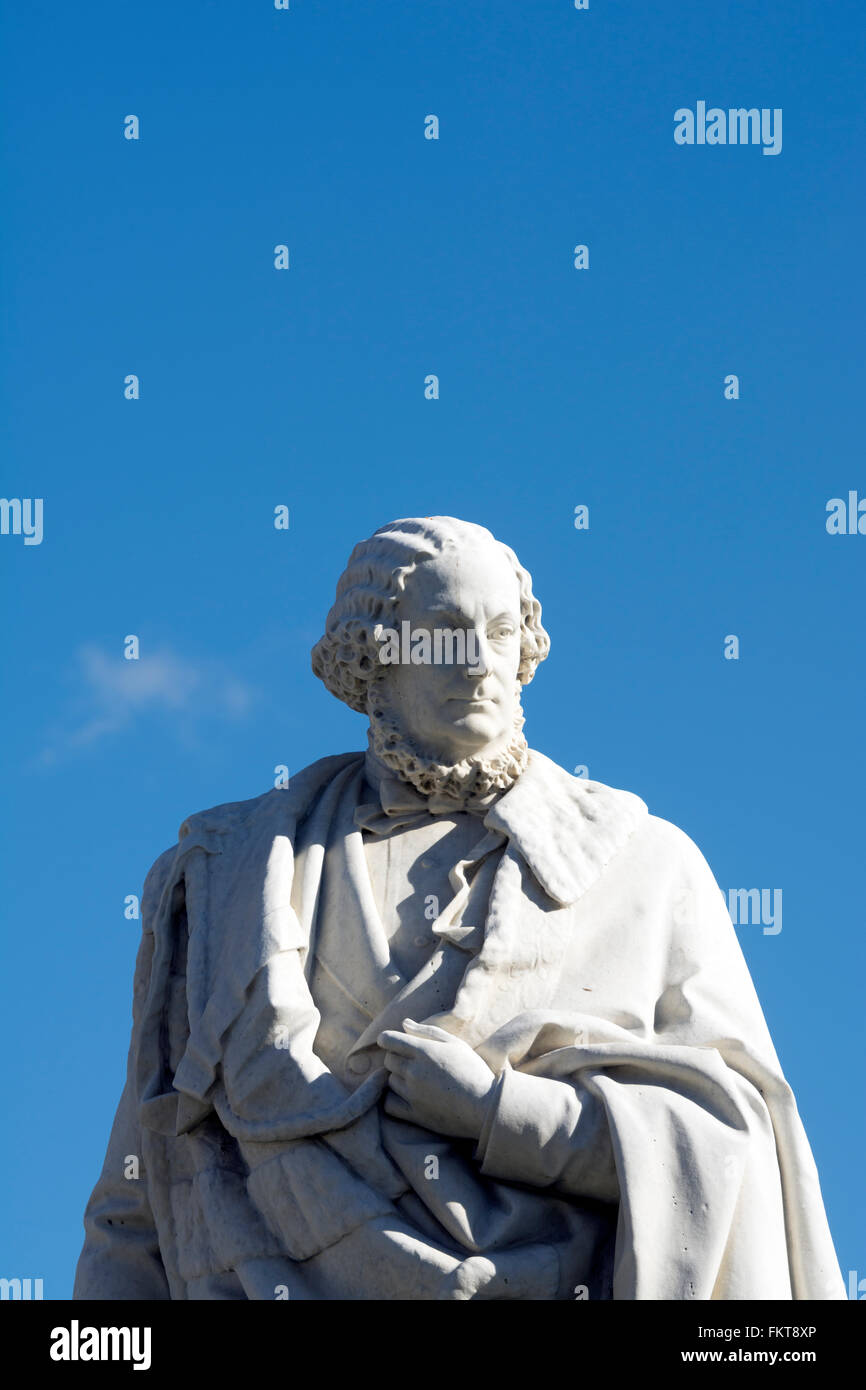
column 641, row 1142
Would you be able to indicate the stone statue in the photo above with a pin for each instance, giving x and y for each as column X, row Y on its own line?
column 441, row 1021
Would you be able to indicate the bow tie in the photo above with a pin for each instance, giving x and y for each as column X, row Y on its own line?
column 400, row 805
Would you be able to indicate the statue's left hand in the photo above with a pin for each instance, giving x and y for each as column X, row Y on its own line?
column 436, row 1080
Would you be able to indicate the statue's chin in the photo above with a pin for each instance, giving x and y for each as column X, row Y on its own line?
column 473, row 736
column 489, row 760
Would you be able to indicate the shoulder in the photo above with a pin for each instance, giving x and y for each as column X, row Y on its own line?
column 598, row 802
column 567, row 828
column 239, row 819
column 301, row 788
column 618, row 819
column 582, row 801
column 681, row 875
column 677, row 846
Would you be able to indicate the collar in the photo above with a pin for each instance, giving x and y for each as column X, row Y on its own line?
column 400, row 799
column 566, row 828
column 397, row 806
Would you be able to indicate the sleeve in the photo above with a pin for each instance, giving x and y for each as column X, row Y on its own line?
column 121, row 1257
column 548, row 1133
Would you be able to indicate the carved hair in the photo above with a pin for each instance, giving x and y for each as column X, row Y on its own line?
column 347, row 657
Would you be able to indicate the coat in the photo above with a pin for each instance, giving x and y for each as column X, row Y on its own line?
column 644, row 1143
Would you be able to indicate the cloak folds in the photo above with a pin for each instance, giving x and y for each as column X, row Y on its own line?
column 642, row 1141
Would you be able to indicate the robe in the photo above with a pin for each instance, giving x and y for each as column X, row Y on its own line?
column 641, row 1141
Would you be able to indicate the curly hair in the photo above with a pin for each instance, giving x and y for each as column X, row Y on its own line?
column 346, row 658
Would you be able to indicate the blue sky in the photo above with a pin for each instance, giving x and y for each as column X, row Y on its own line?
column 306, row 387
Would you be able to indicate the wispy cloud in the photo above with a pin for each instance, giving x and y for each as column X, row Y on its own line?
column 112, row 694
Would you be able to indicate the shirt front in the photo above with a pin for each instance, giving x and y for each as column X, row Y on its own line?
column 400, row 943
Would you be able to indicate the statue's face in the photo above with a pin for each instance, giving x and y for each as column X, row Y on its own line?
column 451, row 712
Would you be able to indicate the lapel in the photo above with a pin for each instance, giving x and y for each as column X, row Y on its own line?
column 566, row 829
column 562, row 832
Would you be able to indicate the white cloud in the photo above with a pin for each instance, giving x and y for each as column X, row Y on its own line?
column 113, row 693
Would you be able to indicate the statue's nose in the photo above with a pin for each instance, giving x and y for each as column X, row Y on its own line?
column 477, row 659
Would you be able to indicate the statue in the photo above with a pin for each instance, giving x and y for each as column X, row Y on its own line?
column 439, row 1020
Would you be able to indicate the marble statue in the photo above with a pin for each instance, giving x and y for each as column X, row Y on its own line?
column 439, row 1020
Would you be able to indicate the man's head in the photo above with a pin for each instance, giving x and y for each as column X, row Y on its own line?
column 445, row 711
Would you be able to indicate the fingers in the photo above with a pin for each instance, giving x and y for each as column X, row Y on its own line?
column 408, row 1044
column 428, row 1030
column 397, row 1066
column 400, row 1044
